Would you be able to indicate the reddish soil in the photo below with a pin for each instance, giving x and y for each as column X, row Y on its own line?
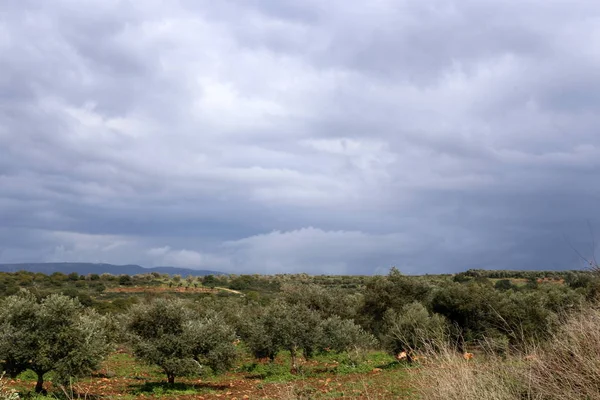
column 375, row 385
column 142, row 384
column 550, row 280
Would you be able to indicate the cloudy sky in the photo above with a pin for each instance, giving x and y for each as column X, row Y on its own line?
column 313, row 136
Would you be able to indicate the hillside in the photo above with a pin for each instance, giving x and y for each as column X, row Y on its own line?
column 91, row 268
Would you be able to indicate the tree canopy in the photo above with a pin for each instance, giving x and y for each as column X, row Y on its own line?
column 56, row 334
column 166, row 333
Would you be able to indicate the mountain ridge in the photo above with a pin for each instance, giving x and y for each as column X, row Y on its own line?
column 102, row 268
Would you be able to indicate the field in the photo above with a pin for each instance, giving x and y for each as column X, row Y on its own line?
column 375, row 376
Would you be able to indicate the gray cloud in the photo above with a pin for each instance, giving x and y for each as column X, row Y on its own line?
column 287, row 136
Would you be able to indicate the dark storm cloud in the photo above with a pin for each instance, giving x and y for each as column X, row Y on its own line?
column 288, row 136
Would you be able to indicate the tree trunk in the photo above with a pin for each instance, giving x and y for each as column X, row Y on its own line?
column 171, row 378
column 39, row 386
column 294, row 369
column 308, row 353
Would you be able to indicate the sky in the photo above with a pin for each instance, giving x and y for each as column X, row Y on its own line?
column 287, row 136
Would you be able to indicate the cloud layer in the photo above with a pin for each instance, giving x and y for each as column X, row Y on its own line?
column 289, row 136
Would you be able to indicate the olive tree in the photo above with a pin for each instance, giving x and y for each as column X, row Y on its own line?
column 282, row 326
column 166, row 333
column 339, row 335
column 327, row 301
column 258, row 332
column 57, row 334
column 295, row 328
column 390, row 292
column 298, row 329
column 413, row 328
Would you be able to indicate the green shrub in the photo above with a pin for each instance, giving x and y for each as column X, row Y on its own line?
column 413, row 329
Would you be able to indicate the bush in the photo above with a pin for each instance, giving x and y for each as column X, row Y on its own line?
column 125, row 280
column 210, row 281
column 73, row 276
column 413, row 329
column 504, row 284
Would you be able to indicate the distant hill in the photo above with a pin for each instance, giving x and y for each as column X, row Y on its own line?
column 91, row 268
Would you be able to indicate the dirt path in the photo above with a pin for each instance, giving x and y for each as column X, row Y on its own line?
column 230, row 290
column 160, row 289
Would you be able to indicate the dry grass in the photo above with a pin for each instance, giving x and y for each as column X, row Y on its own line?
column 567, row 367
column 486, row 377
column 5, row 392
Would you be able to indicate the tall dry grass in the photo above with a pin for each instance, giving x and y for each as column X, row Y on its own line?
column 566, row 367
column 5, row 392
column 569, row 366
column 447, row 375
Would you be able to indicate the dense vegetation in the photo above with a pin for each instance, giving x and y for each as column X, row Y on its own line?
column 65, row 324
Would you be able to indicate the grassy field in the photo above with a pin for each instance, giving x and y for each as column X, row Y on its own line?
column 374, row 375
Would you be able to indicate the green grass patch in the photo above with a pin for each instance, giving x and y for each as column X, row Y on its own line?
column 159, row 389
column 124, row 365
